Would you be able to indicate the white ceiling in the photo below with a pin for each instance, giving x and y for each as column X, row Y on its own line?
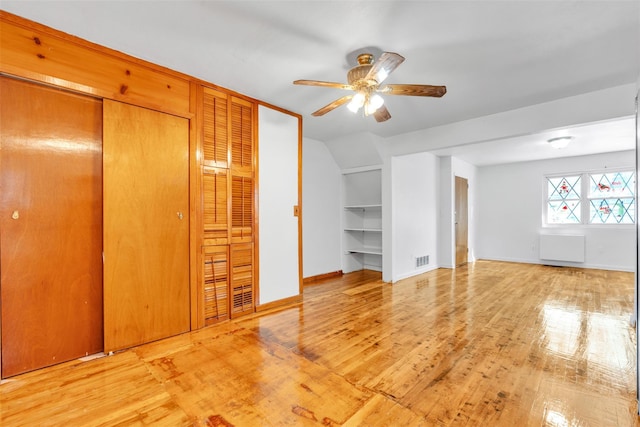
column 600, row 137
column 493, row 56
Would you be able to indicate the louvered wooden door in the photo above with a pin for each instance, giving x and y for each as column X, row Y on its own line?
column 215, row 134
column 242, row 171
column 242, row 207
column 216, row 283
column 242, row 279
column 215, row 215
column 50, row 226
column 228, row 194
column 146, row 225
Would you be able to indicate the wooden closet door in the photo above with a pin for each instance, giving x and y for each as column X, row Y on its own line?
column 146, row 225
column 50, row 226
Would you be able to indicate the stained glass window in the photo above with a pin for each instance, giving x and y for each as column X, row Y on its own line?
column 591, row 198
column 563, row 200
column 612, row 198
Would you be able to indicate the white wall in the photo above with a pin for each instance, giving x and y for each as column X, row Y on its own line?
column 446, row 231
column 509, row 206
column 278, row 188
column 414, row 210
column 321, row 186
column 356, row 150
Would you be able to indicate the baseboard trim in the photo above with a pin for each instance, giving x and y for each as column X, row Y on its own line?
column 317, row 278
column 279, row 303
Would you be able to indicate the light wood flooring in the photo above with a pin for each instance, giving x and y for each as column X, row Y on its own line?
column 489, row 344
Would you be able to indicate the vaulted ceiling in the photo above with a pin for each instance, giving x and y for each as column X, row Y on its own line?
column 493, row 56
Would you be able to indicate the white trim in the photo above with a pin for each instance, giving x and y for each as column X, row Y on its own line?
column 361, row 169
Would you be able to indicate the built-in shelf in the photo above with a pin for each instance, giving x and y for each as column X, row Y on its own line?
column 362, row 220
column 361, row 207
column 370, row 251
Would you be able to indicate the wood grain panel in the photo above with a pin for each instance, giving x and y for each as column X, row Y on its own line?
column 146, row 225
column 43, row 54
column 50, row 226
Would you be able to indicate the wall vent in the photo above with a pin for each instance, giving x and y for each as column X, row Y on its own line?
column 422, row 260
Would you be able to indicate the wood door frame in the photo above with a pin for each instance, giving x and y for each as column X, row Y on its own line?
column 461, row 182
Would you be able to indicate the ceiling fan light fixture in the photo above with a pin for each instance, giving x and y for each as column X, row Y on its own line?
column 365, row 79
column 368, row 109
column 376, row 101
column 356, row 102
column 560, row 142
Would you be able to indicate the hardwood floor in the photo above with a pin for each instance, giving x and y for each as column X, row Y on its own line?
column 491, row 344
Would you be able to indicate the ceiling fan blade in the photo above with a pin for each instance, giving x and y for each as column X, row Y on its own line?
column 414, row 90
column 324, row 84
column 335, row 104
column 382, row 114
column 381, row 68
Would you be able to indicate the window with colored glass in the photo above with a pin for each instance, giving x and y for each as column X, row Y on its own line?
column 612, row 198
column 563, row 200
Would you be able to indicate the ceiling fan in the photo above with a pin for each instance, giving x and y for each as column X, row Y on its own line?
column 365, row 80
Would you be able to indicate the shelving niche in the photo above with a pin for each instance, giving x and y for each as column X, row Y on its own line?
column 362, row 220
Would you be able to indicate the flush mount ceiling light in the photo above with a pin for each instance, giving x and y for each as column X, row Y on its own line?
column 560, row 142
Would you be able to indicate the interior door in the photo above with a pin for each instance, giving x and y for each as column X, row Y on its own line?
column 50, row 226
column 461, row 220
column 146, row 225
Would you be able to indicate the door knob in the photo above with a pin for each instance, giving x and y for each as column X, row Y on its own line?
column 15, row 215
column 179, row 215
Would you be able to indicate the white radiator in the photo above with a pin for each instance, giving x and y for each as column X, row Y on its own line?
column 555, row 247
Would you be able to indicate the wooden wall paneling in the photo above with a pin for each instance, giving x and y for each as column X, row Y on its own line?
column 39, row 53
column 146, row 244
column 50, row 225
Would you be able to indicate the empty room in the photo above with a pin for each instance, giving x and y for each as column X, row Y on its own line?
column 359, row 213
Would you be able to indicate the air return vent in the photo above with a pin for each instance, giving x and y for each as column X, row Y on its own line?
column 422, row 261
